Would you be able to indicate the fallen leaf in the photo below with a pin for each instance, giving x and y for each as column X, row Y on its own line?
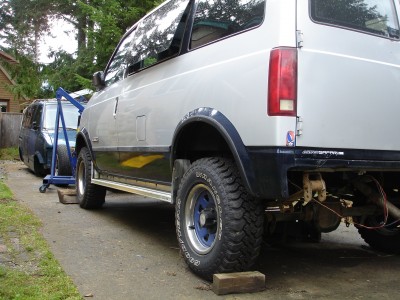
column 88, row 295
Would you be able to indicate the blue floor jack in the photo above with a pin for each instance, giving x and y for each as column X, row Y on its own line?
column 52, row 178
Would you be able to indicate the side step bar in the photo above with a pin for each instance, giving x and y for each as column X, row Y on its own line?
column 159, row 195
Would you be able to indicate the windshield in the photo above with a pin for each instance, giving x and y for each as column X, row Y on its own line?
column 70, row 113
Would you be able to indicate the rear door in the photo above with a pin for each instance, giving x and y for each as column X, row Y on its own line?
column 103, row 135
column 24, row 133
column 348, row 74
column 34, row 131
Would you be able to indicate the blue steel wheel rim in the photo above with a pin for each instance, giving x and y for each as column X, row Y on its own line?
column 201, row 219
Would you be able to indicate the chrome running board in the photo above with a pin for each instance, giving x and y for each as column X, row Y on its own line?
column 151, row 193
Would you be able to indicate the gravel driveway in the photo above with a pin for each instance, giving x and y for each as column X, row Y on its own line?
column 128, row 250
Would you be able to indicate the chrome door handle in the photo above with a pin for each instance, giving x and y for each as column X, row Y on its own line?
column 115, row 108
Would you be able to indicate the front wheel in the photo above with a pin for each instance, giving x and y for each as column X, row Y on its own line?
column 219, row 226
column 38, row 168
column 89, row 195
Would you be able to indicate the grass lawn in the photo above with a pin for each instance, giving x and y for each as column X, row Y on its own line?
column 28, row 270
column 9, row 154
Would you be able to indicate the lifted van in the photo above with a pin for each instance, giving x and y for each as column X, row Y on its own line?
column 249, row 116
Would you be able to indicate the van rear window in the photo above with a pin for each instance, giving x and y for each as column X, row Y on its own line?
column 371, row 16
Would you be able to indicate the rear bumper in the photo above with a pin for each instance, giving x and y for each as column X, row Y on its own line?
column 271, row 165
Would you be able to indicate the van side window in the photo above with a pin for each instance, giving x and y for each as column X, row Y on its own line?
column 158, row 36
column 27, row 117
column 37, row 116
column 118, row 64
column 220, row 18
column 371, row 16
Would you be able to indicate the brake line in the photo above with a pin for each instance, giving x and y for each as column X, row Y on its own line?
column 385, row 209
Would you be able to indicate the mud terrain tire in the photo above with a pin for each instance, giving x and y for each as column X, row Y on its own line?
column 219, row 226
column 89, row 195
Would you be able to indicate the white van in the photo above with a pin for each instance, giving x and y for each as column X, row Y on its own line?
column 252, row 116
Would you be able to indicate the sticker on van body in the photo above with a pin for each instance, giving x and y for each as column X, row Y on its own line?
column 290, row 139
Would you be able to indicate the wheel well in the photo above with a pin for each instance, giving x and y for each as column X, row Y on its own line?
column 80, row 142
column 21, row 157
column 198, row 140
column 39, row 157
column 36, row 160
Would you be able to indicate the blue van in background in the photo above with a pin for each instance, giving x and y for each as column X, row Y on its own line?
column 36, row 137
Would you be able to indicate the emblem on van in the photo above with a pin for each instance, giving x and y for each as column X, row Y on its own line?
column 323, row 152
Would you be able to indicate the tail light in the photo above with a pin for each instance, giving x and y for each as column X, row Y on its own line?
column 282, row 82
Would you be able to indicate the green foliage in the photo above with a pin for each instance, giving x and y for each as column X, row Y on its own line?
column 28, row 77
column 84, row 82
column 9, row 153
column 108, row 21
column 24, row 22
column 99, row 26
column 5, row 192
column 61, row 72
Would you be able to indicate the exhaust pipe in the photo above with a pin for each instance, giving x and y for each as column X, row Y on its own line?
column 376, row 198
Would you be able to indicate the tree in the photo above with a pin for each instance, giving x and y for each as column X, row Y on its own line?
column 28, row 78
column 99, row 26
column 108, row 21
column 23, row 23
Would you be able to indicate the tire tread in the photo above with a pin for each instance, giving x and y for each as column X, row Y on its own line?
column 64, row 165
column 94, row 195
column 243, row 227
column 385, row 243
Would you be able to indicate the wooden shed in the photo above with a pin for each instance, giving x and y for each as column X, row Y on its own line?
column 8, row 102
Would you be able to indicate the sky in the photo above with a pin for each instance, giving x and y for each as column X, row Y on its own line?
column 62, row 36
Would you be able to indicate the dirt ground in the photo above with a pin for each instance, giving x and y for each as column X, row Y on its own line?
column 128, row 250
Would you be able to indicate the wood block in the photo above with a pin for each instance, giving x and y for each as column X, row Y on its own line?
column 241, row 282
column 67, row 196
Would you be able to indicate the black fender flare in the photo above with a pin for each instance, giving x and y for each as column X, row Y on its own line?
column 231, row 136
column 39, row 157
column 84, row 134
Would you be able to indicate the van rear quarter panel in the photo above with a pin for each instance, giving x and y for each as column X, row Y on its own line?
column 348, row 87
column 230, row 76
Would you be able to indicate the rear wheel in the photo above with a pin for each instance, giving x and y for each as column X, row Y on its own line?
column 219, row 226
column 386, row 239
column 89, row 195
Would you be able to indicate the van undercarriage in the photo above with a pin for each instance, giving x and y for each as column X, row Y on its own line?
column 320, row 201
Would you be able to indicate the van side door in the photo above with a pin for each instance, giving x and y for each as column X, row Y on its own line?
column 104, row 134
column 140, row 121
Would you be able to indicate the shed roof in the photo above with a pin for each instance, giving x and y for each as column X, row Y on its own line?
column 8, row 57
